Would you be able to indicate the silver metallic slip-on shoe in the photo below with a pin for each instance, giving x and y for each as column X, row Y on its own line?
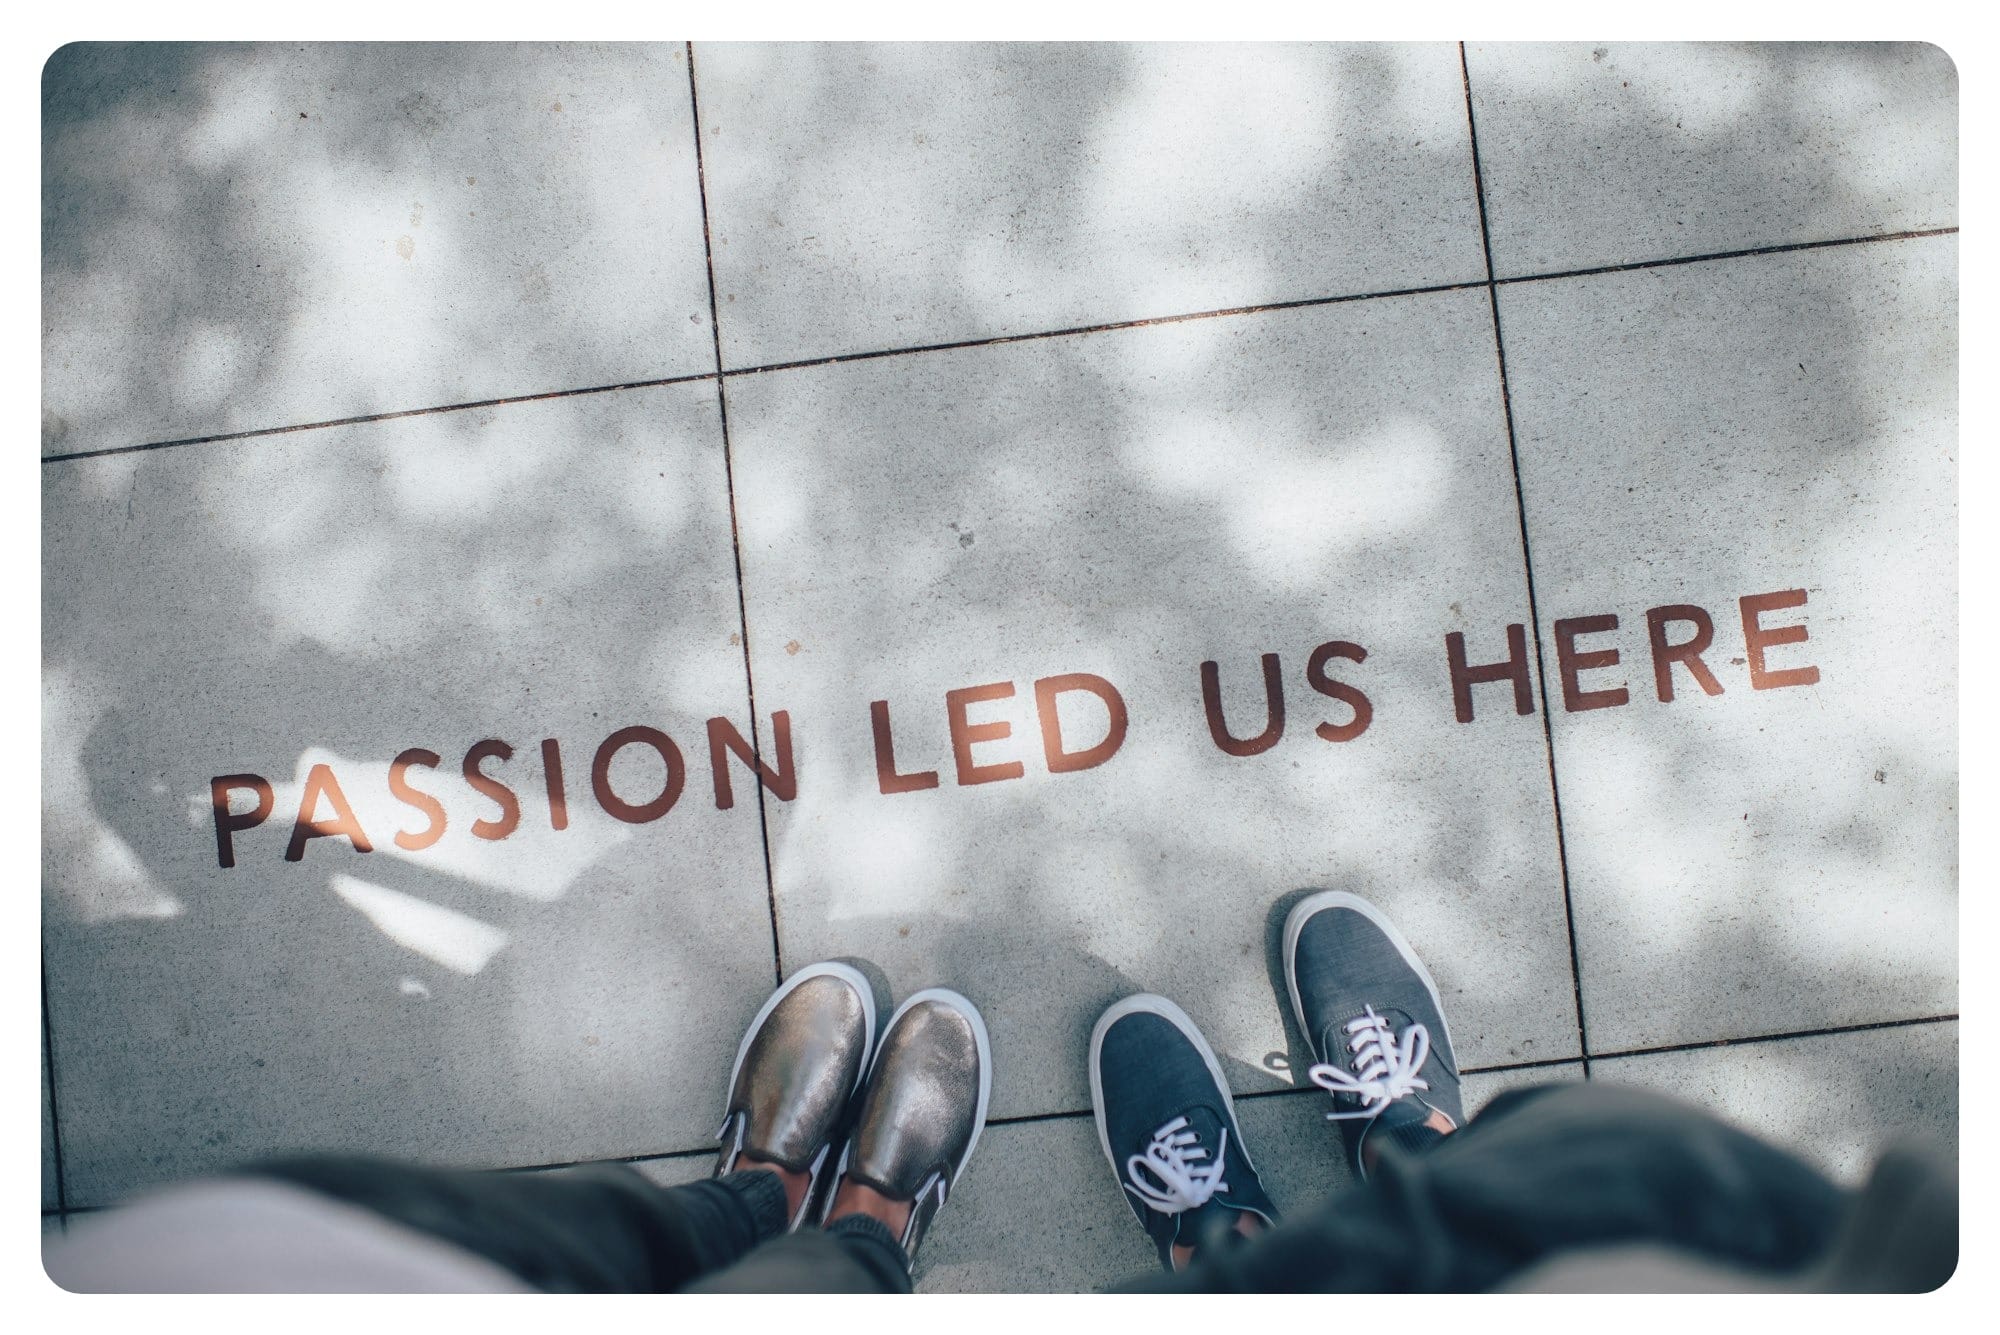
column 924, row 1109
column 796, row 1072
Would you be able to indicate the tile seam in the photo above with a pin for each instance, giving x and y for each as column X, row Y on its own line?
column 1073, row 331
column 1527, row 569
column 1789, row 1035
column 1547, row 1063
column 997, row 340
column 735, row 539
column 706, row 1151
column 1543, row 1063
column 1781, row 248
column 49, row 1068
column 366, row 419
column 1109, row 326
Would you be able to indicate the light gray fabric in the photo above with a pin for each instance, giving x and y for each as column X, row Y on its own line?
column 1642, row 1270
column 249, row 1236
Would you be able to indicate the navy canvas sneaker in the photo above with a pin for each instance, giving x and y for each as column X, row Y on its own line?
column 1371, row 1013
column 1168, row 1126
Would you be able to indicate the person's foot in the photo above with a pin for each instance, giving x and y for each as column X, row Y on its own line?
column 1371, row 1013
column 1168, row 1126
column 920, row 1117
column 796, row 1072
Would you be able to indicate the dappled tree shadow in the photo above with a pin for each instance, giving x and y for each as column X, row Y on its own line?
column 1129, row 503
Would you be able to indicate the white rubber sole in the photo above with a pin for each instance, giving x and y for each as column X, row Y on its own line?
column 1295, row 922
column 1148, row 1003
column 848, row 974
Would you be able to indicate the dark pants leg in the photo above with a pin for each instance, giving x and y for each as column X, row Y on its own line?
column 602, row 1229
column 1539, row 1172
column 853, row 1255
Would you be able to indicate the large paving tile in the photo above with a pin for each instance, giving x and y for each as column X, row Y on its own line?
column 1129, row 505
column 1596, row 154
column 248, row 236
column 884, row 196
column 1836, row 1100
column 556, row 570
column 1761, row 860
column 1040, row 1211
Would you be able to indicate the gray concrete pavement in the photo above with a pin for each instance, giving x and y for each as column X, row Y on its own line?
column 651, row 428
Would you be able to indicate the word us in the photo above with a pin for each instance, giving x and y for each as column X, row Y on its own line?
column 1677, row 636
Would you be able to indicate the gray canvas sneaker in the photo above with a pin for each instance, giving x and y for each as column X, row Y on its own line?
column 924, row 1108
column 1168, row 1126
column 796, row 1073
column 1371, row 1013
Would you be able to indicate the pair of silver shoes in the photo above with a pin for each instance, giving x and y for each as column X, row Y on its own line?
column 811, row 1050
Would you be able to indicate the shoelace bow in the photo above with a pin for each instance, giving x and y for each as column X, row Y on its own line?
column 1170, row 1176
column 1383, row 1067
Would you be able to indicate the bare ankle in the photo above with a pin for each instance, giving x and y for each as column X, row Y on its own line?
column 1249, row 1225
column 1437, row 1121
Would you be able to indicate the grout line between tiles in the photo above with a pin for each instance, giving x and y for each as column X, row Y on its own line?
column 735, row 540
column 1776, row 1038
column 49, row 1067
column 839, row 358
column 367, row 418
column 706, row 1151
column 1307, row 302
column 1068, row 1114
column 1528, row 569
column 1061, row 1114
column 1785, row 249
column 1290, row 1091
column 1543, row 1063
column 1073, row 331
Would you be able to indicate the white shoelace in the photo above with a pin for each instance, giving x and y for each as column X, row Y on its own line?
column 1384, row 1066
column 1170, row 1176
